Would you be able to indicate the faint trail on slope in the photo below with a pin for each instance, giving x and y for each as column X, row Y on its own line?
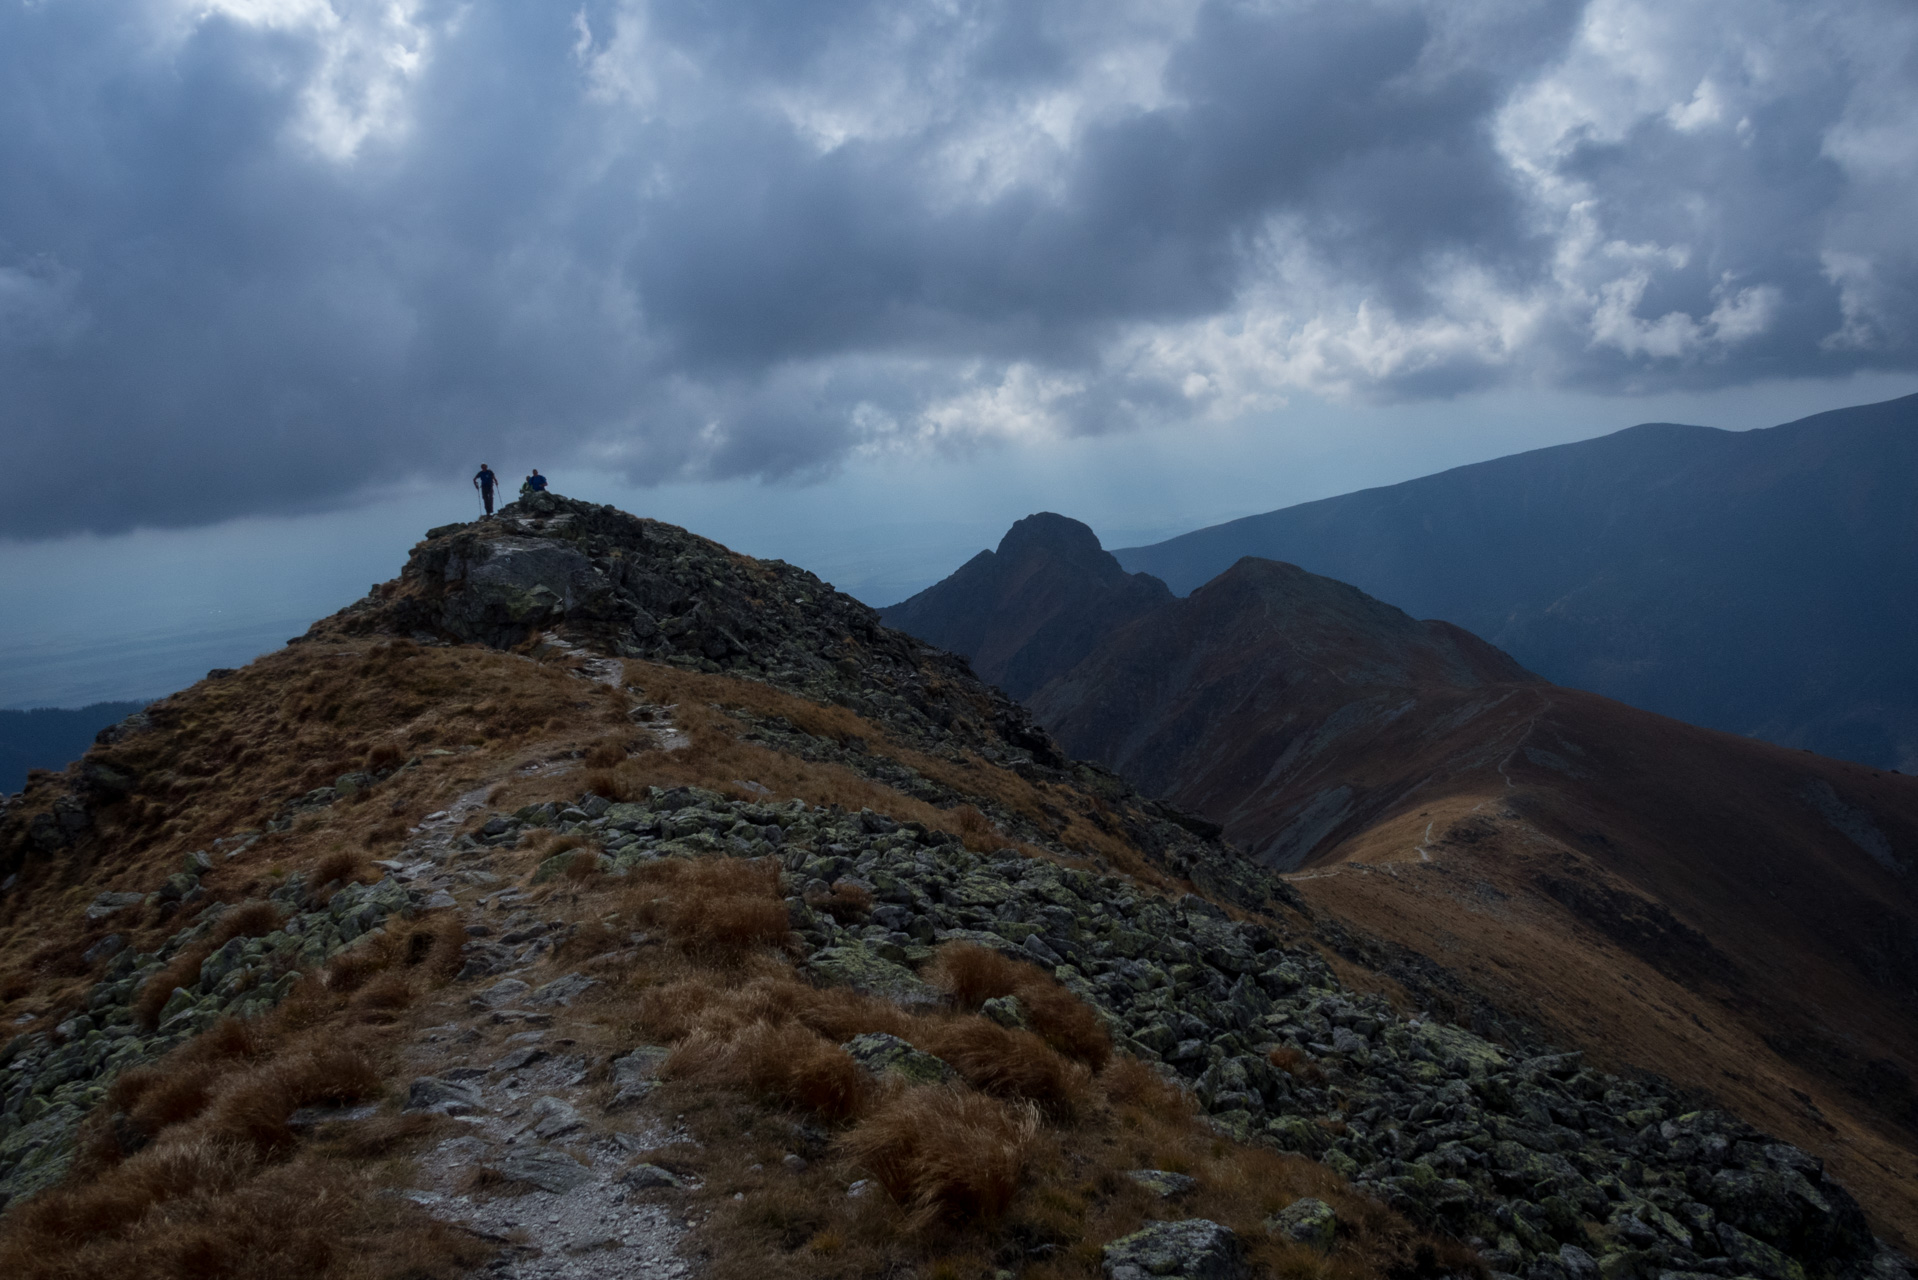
column 532, row 1112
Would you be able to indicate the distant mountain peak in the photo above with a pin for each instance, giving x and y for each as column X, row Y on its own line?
column 1053, row 532
column 1034, row 607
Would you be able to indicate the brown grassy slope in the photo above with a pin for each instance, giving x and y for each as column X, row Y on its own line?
column 203, row 1176
column 1020, row 1162
column 224, row 755
column 1320, row 726
column 1671, row 904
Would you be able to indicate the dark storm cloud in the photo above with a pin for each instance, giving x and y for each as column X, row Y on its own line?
column 263, row 255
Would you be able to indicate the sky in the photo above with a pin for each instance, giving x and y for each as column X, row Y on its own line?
column 857, row 284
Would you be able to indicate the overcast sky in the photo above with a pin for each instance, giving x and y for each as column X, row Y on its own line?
column 266, row 260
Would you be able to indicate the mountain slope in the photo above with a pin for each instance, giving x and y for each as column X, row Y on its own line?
column 1760, row 582
column 1737, row 916
column 593, row 901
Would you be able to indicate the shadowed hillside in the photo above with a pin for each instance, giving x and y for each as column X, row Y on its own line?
column 1736, row 916
column 1760, row 582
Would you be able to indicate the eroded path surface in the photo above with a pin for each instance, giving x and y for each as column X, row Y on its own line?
column 549, row 1166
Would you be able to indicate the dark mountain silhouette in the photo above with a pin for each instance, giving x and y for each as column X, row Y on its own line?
column 1760, row 582
column 50, row 737
column 1737, row 916
column 1034, row 607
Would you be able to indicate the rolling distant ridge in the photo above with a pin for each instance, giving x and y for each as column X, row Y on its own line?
column 1760, row 582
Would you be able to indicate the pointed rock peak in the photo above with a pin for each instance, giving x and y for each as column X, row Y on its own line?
column 1051, row 532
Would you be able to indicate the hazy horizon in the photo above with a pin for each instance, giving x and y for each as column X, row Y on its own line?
column 222, row 595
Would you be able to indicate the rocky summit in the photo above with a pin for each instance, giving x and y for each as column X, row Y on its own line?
column 594, row 901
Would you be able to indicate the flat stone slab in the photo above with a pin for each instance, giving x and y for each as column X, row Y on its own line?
column 442, row 1097
column 545, row 1168
column 555, row 1118
column 641, row 1065
column 562, row 991
column 524, row 1056
column 646, row 1176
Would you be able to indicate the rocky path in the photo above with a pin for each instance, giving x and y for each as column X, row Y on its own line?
column 548, row 1166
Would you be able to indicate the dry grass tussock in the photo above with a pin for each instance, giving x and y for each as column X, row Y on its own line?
column 946, row 1154
column 202, row 1209
column 190, row 1168
column 973, row 975
column 719, row 910
column 782, row 1063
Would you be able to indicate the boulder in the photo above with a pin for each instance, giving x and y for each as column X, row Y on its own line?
column 1305, row 1221
column 107, row 903
column 1006, row 1011
column 858, row 966
column 1191, row 1249
column 555, row 1118
column 645, row 1177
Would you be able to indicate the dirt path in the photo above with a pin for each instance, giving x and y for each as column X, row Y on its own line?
column 549, row 1164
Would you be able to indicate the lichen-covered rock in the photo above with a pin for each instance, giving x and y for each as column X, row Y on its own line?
column 1006, row 1011
column 1191, row 1249
column 108, row 903
column 1305, row 1221
column 859, row 966
column 881, row 1053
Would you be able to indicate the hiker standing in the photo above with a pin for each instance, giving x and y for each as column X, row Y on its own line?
column 484, row 482
column 535, row 483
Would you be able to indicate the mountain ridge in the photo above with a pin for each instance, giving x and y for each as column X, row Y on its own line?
column 1758, row 582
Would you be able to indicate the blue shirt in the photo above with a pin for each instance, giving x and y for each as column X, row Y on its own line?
column 486, row 478
column 537, row 483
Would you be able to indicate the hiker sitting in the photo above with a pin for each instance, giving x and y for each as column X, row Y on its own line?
column 535, row 483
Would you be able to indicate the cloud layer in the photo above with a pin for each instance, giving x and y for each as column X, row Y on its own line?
column 261, row 255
